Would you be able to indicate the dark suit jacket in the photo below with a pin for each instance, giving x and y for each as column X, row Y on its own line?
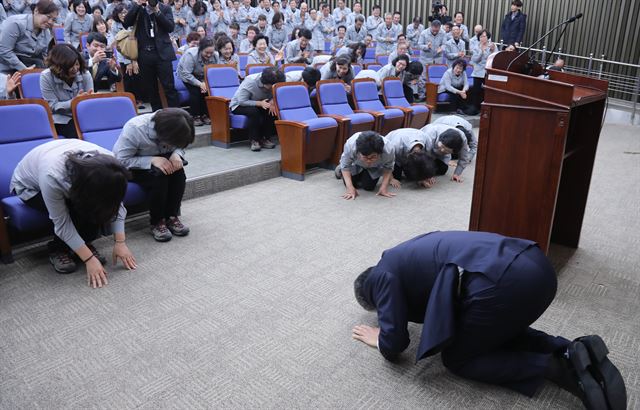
column 417, row 281
column 512, row 31
column 163, row 26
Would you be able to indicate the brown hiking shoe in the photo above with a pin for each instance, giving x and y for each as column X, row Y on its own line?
column 176, row 227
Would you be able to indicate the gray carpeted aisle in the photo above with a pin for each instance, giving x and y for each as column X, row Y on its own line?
column 254, row 309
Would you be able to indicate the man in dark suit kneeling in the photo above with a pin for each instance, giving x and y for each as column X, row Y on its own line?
column 477, row 294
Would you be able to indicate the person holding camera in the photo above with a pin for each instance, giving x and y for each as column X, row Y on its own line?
column 101, row 63
column 154, row 23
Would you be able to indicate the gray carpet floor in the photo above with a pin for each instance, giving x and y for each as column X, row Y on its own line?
column 254, row 309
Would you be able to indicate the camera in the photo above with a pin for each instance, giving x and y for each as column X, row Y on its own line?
column 108, row 53
column 152, row 3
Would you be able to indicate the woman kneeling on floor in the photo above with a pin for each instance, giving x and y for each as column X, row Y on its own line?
column 81, row 186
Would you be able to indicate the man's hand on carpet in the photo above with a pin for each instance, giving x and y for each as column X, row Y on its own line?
column 456, row 178
column 385, row 193
column 350, row 194
column 395, row 183
column 366, row 334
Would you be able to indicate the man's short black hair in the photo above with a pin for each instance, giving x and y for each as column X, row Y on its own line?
column 306, row 33
column 95, row 36
column 419, row 166
column 271, row 75
column 402, row 57
column 341, row 26
column 174, row 126
column 468, row 134
column 517, row 3
column 415, row 68
column 369, row 142
column 311, row 76
column 358, row 290
column 451, row 139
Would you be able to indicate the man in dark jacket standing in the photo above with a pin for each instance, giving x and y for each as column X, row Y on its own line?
column 513, row 25
column 477, row 293
column 154, row 22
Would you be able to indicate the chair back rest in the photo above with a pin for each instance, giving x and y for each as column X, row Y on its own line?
column 469, row 70
column 58, row 34
column 435, row 72
column 327, row 47
column 369, row 55
column 332, row 97
column 222, row 80
column 293, row 67
column 415, row 52
column 181, row 89
column 356, row 69
column 83, row 41
column 382, row 59
column 255, row 68
column 26, row 123
column 100, row 117
column 292, row 101
column 393, row 92
column 242, row 62
column 365, row 94
column 183, row 41
column 373, row 66
column 30, row 83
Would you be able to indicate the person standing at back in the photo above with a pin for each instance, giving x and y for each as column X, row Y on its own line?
column 514, row 24
column 154, row 23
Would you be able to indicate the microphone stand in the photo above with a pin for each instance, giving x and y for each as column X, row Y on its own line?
column 571, row 20
column 553, row 50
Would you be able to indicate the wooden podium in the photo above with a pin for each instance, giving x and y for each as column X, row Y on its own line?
column 536, row 148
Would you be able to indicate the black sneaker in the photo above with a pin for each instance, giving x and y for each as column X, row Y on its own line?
column 62, row 262
column 95, row 252
column 255, row 146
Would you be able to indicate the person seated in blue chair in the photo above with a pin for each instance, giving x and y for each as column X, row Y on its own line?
column 101, row 63
column 366, row 157
column 152, row 147
column 338, row 68
column 81, row 186
column 9, row 85
column 477, row 294
column 254, row 99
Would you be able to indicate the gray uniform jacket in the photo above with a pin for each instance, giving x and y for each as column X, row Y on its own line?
column 138, row 143
column 294, row 53
column 220, row 24
column 337, row 43
column 180, row 30
column 245, row 46
column 277, row 38
column 388, row 71
column 452, row 83
column 413, row 34
column 250, row 92
column 382, row 33
column 327, row 26
column 191, row 67
column 291, row 17
column 340, row 15
column 246, row 16
column 452, row 49
column 58, row 94
column 455, row 121
column 479, row 61
column 350, row 161
column 429, row 44
column 354, row 37
column 73, row 26
column 255, row 58
column 351, row 19
column 18, row 38
column 403, row 140
column 17, row 7
column 267, row 13
column 433, row 132
column 372, row 24
column 43, row 171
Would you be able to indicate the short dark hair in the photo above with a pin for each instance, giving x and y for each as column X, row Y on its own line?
column 117, row 9
column 419, row 166
column 358, row 290
column 199, row 9
column 415, row 68
column 277, row 17
column 258, row 38
column 459, row 61
column 341, row 26
column 449, row 24
column 95, row 36
column 193, row 36
column 417, row 19
column 369, row 142
column 205, row 42
column 46, row 7
column 235, row 26
column 174, row 126
column 252, row 28
column 223, row 41
column 458, row 12
column 402, row 57
column 94, row 8
column 376, row 6
column 468, row 134
column 62, row 58
column 262, row 17
column 436, row 23
column 98, row 184
column 311, row 76
column 340, row 60
column 74, row 4
column 517, row 3
column 96, row 21
column 485, row 32
column 451, row 139
column 271, row 75
column 306, row 33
